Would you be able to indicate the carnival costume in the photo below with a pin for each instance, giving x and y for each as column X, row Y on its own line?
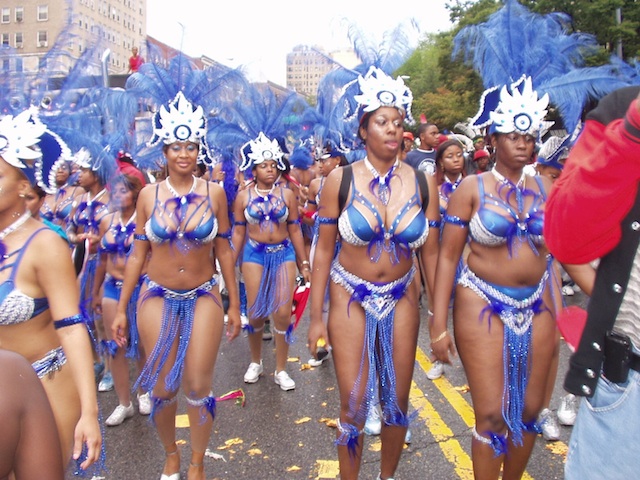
column 182, row 221
column 497, row 223
column 360, row 224
column 268, row 211
column 18, row 136
column 118, row 240
column 543, row 58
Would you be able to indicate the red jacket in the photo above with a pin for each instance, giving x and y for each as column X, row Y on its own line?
column 596, row 190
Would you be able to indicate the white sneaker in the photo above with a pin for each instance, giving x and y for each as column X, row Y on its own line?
column 568, row 291
column 106, row 384
column 144, row 404
column 119, row 415
column 549, row 425
column 253, row 372
column 437, row 370
column 283, row 379
column 568, row 410
column 373, row 425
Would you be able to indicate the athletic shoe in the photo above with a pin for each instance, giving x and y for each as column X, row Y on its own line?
column 437, row 370
column 316, row 363
column 373, row 425
column 283, row 379
column 568, row 291
column 144, row 404
column 407, row 436
column 568, row 410
column 119, row 415
column 106, row 384
column 266, row 331
column 549, row 425
column 98, row 369
column 253, row 372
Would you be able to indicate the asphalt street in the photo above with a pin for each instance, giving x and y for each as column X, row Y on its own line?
column 289, row 435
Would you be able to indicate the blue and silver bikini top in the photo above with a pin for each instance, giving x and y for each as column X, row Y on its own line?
column 90, row 212
column 489, row 226
column 171, row 221
column 15, row 306
column 356, row 229
column 265, row 210
column 118, row 239
column 64, row 208
column 46, row 212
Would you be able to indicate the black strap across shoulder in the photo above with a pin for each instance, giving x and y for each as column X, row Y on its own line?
column 347, row 176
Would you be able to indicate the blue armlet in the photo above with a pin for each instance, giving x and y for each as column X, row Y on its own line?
column 434, row 223
column 327, row 221
column 293, row 222
column 138, row 236
column 226, row 234
column 242, row 224
column 455, row 220
column 67, row 322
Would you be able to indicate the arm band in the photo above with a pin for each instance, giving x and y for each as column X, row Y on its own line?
column 140, row 236
column 67, row 322
column 455, row 220
column 293, row 222
column 240, row 223
column 434, row 223
column 226, row 234
column 327, row 221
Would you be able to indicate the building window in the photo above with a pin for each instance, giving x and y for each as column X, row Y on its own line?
column 43, row 39
column 6, row 15
column 43, row 13
column 19, row 40
column 19, row 14
column 5, row 39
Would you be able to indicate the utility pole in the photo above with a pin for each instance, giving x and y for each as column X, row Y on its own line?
column 618, row 22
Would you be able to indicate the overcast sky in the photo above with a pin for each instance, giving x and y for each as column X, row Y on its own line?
column 258, row 34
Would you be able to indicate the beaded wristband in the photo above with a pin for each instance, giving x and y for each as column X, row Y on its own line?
column 140, row 236
column 327, row 221
column 67, row 322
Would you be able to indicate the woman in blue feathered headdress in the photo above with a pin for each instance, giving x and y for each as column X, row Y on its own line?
column 39, row 315
column 381, row 208
column 180, row 222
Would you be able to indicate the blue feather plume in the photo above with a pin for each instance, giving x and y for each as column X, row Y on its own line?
column 515, row 41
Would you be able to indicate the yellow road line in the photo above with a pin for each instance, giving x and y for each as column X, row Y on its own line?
column 450, row 447
column 457, row 401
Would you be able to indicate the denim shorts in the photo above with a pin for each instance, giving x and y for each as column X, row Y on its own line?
column 606, row 436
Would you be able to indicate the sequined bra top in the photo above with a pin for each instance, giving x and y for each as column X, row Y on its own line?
column 171, row 221
column 266, row 209
column 355, row 229
column 118, row 239
column 89, row 213
column 491, row 227
column 15, row 306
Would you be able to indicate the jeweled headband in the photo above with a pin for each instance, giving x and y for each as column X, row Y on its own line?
column 27, row 144
column 520, row 110
column 377, row 89
column 180, row 121
column 256, row 151
column 18, row 136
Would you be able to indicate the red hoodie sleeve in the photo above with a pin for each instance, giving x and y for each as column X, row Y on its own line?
column 595, row 191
